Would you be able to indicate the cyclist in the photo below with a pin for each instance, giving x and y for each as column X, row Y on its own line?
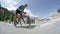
column 20, row 10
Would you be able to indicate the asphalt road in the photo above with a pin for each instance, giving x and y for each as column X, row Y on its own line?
column 52, row 27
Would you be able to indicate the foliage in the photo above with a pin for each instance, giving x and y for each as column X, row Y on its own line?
column 5, row 14
column 58, row 10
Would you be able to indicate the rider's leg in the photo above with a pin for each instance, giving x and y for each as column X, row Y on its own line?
column 14, row 19
column 19, row 20
column 15, row 16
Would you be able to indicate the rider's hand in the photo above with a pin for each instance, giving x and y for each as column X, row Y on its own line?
column 24, row 12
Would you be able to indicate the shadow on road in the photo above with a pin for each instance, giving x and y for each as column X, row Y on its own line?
column 28, row 27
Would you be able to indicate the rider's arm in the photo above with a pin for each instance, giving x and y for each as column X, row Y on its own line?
column 19, row 9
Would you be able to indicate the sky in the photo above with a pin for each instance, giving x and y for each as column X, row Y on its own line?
column 40, row 8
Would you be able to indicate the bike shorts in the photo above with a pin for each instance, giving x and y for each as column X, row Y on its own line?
column 17, row 11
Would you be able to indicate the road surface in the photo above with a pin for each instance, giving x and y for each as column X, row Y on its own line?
column 52, row 27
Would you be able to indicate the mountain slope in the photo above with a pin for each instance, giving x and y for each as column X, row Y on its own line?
column 4, row 14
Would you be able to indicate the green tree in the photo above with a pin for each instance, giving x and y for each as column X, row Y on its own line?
column 58, row 10
column 4, row 14
column 10, row 18
column 0, row 5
